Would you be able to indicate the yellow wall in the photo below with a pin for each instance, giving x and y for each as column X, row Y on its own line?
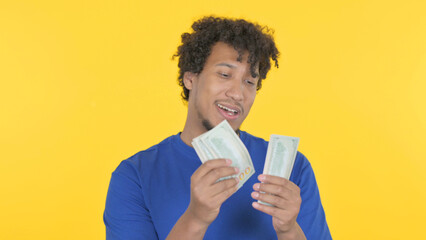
column 86, row 84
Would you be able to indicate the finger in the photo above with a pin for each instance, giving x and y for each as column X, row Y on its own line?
column 225, row 194
column 274, row 200
column 273, row 211
column 279, row 190
column 217, row 173
column 209, row 165
column 278, row 181
column 222, row 186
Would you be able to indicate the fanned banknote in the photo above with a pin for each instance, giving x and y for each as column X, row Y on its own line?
column 223, row 142
column 282, row 151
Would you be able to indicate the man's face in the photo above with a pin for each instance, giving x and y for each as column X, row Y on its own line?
column 225, row 89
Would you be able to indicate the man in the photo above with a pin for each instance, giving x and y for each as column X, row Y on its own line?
column 165, row 192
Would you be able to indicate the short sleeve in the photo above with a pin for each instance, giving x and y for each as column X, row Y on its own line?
column 311, row 217
column 126, row 215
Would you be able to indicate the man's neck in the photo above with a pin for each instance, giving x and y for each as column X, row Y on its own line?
column 188, row 134
column 191, row 130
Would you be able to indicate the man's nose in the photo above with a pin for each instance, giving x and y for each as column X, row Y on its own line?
column 235, row 90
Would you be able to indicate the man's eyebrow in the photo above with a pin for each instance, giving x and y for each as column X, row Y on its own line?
column 226, row 65
column 233, row 66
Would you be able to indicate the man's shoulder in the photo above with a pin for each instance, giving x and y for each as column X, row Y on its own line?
column 144, row 159
column 250, row 139
column 151, row 152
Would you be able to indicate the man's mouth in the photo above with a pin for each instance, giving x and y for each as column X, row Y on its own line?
column 228, row 111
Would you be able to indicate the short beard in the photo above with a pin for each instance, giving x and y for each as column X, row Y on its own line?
column 209, row 126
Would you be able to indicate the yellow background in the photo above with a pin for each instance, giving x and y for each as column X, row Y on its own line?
column 86, row 84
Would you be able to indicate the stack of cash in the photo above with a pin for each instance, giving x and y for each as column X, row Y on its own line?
column 282, row 151
column 223, row 142
column 280, row 156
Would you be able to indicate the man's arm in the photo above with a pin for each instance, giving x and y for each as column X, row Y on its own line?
column 126, row 215
column 207, row 195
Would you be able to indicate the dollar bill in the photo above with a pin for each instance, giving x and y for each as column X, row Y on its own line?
column 223, row 142
column 280, row 156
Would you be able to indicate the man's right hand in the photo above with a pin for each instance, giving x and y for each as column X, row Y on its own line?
column 207, row 195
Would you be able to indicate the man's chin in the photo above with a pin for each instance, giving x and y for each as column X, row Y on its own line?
column 209, row 126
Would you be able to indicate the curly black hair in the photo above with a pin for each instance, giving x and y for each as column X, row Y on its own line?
column 242, row 35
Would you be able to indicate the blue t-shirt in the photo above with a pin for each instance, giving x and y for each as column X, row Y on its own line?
column 150, row 191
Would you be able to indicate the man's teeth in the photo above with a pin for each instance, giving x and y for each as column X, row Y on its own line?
column 228, row 109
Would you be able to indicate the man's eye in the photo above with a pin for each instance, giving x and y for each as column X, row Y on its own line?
column 250, row 82
column 225, row 75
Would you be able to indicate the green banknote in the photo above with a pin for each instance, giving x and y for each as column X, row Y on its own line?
column 223, row 142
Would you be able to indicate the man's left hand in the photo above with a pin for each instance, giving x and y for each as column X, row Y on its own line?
column 285, row 198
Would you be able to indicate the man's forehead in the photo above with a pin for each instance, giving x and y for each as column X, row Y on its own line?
column 225, row 48
column 226, row 55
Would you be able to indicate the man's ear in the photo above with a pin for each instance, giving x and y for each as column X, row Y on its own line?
column 188, row 79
